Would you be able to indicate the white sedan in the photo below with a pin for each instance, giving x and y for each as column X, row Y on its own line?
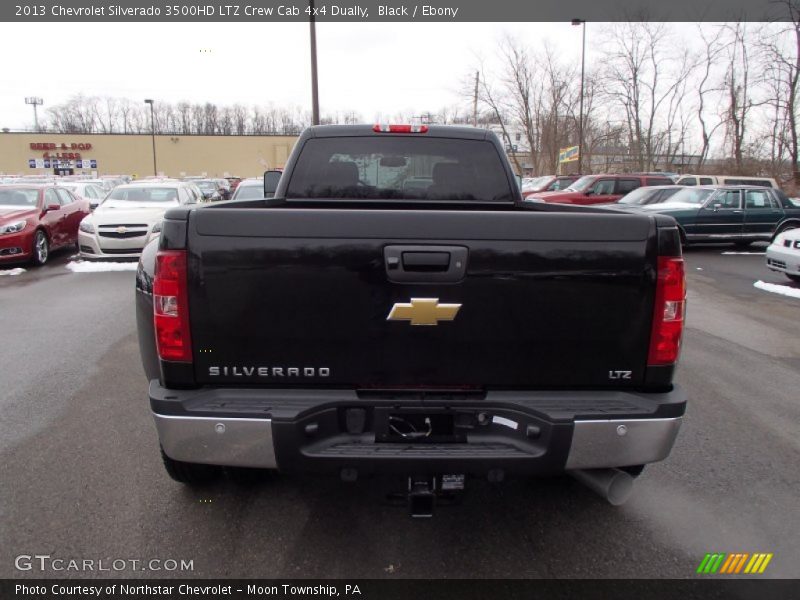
column 783, row 255
column 128, row 217
column 85, row 190
column 249, row 189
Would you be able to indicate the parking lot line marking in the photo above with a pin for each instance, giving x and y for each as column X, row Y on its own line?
column 783, row 290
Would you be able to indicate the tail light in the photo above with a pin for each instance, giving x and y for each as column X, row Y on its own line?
column 670, row 305
column 171, row 306
column 381, row 128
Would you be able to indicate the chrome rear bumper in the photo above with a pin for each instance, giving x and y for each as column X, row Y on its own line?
column 213, row 441
column 245, row 442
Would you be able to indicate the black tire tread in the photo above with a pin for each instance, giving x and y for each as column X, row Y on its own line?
column 190, row 473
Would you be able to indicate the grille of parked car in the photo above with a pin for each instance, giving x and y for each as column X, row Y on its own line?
column 123, row 231
column 121, row 250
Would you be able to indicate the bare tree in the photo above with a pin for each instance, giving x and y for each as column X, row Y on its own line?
column 781, row 66
column 711, row 53
column 643, row 74
column 738, row 86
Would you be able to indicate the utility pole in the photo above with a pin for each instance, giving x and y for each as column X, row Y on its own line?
column 153, row 133
column 314, row 85
column 475, row 100
column 34, row 101
column 580, row 121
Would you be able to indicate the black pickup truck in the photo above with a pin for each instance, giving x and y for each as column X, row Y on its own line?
column 397, row 308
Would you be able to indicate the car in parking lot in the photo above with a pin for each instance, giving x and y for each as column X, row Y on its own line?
column 91, row 192
column 35, row 219
column 689, row 179
column 234, row 181
column 224, row 187
column 738, row 214
column 599, row 189
column 547, row 183
column 209, row 188
column 646, row 195
column 783, row 255
column 249, row 189
column 127, row 218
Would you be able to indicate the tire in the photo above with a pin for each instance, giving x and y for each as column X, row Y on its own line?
column 41, row 248
column 795, row 278
column 246, row 477
column 190, row 473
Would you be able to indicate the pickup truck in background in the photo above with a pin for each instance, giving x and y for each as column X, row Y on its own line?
column 357, row 326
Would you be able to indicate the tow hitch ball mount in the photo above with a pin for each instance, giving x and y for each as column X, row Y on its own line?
column 423, row 489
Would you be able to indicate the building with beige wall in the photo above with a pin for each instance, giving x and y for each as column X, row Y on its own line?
column 176, row 155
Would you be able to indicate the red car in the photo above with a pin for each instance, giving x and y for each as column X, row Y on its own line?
column 35, row 219
column 599, row 189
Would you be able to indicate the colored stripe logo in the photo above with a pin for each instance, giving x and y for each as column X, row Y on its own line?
column 734, row 563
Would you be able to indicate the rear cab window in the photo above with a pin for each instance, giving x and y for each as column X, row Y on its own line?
column 399, row 168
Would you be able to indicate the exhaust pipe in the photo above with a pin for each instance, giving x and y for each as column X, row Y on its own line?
column 614, row 485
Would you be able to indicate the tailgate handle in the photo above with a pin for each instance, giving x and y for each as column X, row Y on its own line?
column 425, row 264
column 426, row 261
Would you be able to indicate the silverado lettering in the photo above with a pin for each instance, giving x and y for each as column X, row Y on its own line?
column 237, row 371
column 456, row 322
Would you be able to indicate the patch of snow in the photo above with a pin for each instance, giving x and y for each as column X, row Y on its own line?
column 783, row 290
column 699, row 268
column 17, row 271
column 755, row 253
column 83, row 266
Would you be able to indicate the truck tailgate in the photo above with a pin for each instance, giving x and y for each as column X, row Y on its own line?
column 302, row 297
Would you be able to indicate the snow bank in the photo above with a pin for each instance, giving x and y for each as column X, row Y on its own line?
column 83, row 266
column 17, row 271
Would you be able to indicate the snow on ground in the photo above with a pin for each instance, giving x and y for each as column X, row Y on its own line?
column 775, row 288
column 17, row 271
column 82, row 266
column 756, row 253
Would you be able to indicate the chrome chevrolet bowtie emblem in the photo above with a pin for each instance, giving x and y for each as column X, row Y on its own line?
column 423, row 311
column 122, row 229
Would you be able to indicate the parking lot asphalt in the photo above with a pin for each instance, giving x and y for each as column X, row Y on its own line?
column 82, row 478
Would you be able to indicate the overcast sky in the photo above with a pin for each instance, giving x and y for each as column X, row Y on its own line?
column 371, row 68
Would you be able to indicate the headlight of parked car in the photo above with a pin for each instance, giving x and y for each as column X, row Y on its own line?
column 14, row 227
column 86, row 226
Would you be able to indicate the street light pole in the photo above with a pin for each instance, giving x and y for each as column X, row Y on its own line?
column 152, row 133
column 34, row 101
column 580, row 118
column 314, row 86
